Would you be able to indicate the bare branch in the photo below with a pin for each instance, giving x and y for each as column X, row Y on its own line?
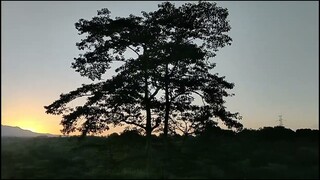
column 155, row 93
column 202, row 98
column 155, row 126
column 134, row 50
column 136, row 124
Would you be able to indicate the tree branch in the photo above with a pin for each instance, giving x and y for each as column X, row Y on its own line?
column 131, row 122
column 173, row 69
column 200, row 96
column 134, row 50
column 155, row 126
column 155, row 93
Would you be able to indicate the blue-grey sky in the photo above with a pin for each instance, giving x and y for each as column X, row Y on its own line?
column 273, row 60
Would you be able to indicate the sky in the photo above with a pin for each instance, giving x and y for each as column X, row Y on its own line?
column 273, row 59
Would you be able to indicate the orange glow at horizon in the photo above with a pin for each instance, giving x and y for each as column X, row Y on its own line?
column 30, row 124
column 34, row 124
column 34, row 118
column 31, row 117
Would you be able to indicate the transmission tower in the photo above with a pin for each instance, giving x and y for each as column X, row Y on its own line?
column 280, row 120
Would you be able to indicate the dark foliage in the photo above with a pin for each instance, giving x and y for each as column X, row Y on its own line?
column 153, row 89
column 213, row 154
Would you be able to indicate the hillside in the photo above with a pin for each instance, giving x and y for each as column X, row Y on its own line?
column 9, row 131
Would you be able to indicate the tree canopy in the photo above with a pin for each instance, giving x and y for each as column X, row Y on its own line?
column 155, row 86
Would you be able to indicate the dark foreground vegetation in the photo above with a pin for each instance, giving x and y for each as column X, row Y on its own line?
column 266, row 153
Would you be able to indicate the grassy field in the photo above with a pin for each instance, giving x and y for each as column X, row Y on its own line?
column 267, row 153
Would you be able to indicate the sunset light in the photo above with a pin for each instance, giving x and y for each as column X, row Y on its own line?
column 31, row 118
column 31, row 124
column 37, row 79
column 160, row 90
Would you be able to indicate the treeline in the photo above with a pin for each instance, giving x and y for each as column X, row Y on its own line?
column 270, row 152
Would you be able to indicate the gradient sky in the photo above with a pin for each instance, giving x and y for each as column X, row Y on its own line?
column 273, row 60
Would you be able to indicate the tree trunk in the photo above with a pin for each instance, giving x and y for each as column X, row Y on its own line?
column 166, row 123
column 148, row 123
column 147, row 108
column 167, row 103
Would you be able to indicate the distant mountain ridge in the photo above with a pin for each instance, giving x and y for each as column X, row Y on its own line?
column 10, row 131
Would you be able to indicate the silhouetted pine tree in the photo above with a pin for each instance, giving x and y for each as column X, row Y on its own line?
column 172, row 48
